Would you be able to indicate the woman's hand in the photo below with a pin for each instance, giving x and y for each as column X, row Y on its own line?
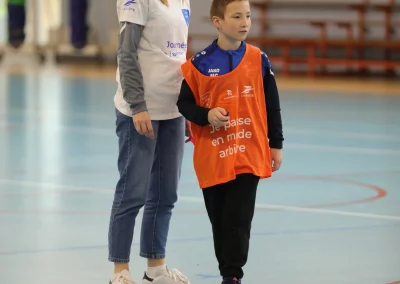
column 143, row 124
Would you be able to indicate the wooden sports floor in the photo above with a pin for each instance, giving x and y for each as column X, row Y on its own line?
column 331, row 214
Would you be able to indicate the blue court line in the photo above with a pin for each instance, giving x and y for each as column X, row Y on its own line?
column 208, row 276
column 197, row 239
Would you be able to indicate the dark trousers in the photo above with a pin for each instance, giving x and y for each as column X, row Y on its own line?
column 78, row 22
column 16, row 23
column 230, row 207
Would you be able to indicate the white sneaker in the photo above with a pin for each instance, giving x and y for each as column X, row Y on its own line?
column 122, row 278
column 172, row 276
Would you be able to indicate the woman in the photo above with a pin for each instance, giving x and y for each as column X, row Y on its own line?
column 151, row 132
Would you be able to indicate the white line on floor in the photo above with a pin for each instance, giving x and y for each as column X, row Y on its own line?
column 309, row 210
column 342, row 134
column 342, row 149
column 200, row 200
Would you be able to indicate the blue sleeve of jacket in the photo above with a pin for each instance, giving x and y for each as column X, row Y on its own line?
column 266, row 64
column 274, row 118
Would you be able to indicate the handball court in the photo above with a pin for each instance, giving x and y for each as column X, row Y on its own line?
column 330, row 215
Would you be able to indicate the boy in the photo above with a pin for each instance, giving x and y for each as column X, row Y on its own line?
column 229, row 93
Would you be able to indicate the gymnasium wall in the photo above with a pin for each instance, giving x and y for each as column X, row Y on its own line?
column 201, row 10
column 103, row 18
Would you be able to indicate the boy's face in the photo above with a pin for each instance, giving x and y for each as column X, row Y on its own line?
column 236, row 23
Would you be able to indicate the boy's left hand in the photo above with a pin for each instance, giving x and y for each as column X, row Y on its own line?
column 276, row 158
column 188, row 131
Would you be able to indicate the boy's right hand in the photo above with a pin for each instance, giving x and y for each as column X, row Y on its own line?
column 143, row 124
column 218, row 117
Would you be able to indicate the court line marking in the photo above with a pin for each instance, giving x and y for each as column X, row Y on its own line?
column 341, row 134
column 314, row 147
column 312, row 87
column 288, row 130
column 380, row 192
column 200, row 200
column 298, row 146
column 342, row 149
column 208, row 237
column 41, row 113
column 180, row 212
column 308, row 210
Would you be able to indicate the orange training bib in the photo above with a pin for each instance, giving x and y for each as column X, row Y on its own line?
column 242, row 145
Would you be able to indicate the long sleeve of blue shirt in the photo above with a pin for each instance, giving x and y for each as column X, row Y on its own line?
column 214, row 61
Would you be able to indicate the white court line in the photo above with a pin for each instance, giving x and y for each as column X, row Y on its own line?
column 353, row 113
column 352, row 150
column 289, row 130
column 315, row 147
column 293, row 111
column 55, row 186
column 341, row 134
column 76, row 129
column 40, row 113
column 342, row 149
column 309, row 210
column 200, row 200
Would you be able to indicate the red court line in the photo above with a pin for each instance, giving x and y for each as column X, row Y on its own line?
column 379, row 192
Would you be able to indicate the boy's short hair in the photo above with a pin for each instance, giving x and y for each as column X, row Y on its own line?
column 218, row 7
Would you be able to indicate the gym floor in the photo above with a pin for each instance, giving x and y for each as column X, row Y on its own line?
column 331, row 214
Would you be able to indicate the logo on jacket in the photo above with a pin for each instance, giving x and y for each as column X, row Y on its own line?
column 213, row 72
column 128, row 5
column 248, row 91
column 229, row 95
column 205, row 99
column 129, row 2
column 186, row 15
